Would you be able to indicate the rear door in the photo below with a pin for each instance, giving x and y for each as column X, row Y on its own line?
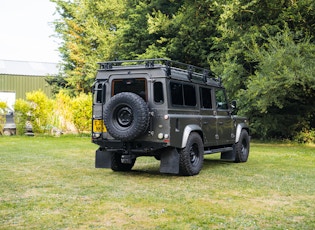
column 99, row 97
column 136, row 83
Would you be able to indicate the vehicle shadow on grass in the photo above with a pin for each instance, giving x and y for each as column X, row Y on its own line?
column 210, row 164
column 152, row 169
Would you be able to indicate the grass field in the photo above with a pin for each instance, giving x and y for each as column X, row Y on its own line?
column 51, row 183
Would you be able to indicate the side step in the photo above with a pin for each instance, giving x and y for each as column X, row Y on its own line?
column 226, row 149
column 227, row 153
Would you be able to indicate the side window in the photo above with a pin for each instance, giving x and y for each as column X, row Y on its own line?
column 183, row 94
column 99, row 92
column 176, row 93
column 220, row 98
column 158, row 92
column 205, row 98
column 189, row 95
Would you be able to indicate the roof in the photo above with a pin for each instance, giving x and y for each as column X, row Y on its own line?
column 28, row 68
column 172, row 69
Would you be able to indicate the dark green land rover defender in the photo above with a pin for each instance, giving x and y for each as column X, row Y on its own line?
column 169, row 110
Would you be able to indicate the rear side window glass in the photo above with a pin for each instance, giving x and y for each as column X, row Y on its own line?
column 183, row 94
column 158, row 92
column 205, row 98
column 190, row 95
column 132, row 85
column 176, row 93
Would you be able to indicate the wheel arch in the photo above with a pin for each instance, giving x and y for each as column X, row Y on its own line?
column 188, row 129
column 239, row 129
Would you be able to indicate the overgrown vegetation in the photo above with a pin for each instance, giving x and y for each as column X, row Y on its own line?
column 263, row 50
column 44, row 187
column 63, row 113
column 3, row 107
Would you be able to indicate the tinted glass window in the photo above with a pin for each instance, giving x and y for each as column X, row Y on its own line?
column 158, row 92
column 205, row 94
column 183, row 94
column 100, row 92
column 176, row 93
column 220, row 98
column 137, row 86
column 190, row 95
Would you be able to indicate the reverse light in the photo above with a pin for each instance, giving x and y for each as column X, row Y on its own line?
column 96, row 135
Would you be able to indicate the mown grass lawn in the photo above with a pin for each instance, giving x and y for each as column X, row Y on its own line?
column 51, row 183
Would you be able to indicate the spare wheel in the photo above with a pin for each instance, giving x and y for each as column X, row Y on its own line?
column 126, row 116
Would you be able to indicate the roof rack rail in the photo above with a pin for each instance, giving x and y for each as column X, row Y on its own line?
column 149, row 63
column 190, row 70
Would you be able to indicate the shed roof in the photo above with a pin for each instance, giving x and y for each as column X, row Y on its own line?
column 28, row 68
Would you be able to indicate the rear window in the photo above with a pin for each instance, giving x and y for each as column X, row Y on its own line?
column 132, row 85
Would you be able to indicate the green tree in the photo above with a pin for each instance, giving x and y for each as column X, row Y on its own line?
column 244, row 22
column 280, row 95
column 88, row 31
column 240, row 40
column 261, row 46
column 190, row 33
column 147, row 29
column 179, row 30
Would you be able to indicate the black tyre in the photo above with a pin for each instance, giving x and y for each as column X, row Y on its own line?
column 118, row 166
column 191, row 157
column 126, row 116
column 242, row 147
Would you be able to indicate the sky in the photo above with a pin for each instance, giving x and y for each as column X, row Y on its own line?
column 26, row 31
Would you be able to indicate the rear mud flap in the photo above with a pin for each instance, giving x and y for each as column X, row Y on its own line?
column 103, row 159
column 228, row 156
column 169, row 161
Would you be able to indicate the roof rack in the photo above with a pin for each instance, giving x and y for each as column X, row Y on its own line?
column 190, row 70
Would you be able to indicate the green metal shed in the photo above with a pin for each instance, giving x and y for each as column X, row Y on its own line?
column 19, row 77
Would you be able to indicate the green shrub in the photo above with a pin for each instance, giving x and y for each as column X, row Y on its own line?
column 62, row 117
column 63, row 113
column 3, row 107
column 305, row 136
column 82, row 112
column 22, row 111
column 72, row 114
column 41, row 110
column 37, row 108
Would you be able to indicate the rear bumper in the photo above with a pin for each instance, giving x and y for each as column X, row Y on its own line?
column 139, row 147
